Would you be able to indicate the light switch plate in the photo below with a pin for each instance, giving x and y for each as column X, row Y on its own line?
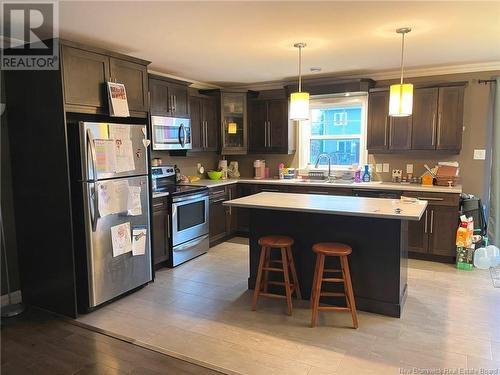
column 385, row 168
column 479, row 154
column 409, row 168
column 378, row 168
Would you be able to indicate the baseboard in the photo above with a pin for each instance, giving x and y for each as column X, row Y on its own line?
column 15, row 295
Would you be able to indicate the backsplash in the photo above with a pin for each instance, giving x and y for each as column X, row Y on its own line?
column 187, row 164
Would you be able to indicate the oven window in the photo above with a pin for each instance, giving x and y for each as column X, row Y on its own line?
column 190, row 215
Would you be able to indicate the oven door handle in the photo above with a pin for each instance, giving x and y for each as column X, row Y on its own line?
column 191, row 243
column 189, row 197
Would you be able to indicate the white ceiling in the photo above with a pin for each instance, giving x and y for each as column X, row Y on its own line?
column 228, row 43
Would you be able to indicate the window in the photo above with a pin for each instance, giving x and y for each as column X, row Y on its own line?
column 337, row 126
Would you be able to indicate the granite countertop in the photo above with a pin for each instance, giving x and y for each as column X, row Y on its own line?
column 375, row 185
column 333, row 204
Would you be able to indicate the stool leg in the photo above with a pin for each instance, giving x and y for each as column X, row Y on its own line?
column 313, row 287
column 348, row 287
column 287, row 281
column 259, row 278
column 294, row 273
column 266, row 272
column 317, row 288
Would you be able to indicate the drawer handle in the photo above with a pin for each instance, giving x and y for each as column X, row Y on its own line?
column 218, row 200
column 158, row 205
column 317, row 192
column 430, row 199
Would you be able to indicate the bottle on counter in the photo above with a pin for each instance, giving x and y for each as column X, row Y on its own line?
column 366, row 174
column 357, row 175
column 281, row 171
column 177, row 173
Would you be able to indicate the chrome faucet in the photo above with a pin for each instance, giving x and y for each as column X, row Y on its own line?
column 327, row 155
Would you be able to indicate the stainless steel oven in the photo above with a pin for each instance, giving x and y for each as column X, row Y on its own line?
column 171, row 133
column 189, row 226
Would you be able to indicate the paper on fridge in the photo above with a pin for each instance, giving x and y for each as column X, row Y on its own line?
column 139, row 236
column 113, row 197
column 134, row 201
column 119, row 132
column 120, row 238
column 124, row 155
column 118, row 104
column 105, row 155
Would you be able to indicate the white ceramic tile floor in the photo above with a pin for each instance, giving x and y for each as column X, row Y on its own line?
column 201, row 310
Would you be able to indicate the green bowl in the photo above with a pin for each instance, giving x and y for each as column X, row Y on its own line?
column 214, row 175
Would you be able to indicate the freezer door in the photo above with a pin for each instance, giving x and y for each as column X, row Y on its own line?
column 129, row 158
column 110, row 276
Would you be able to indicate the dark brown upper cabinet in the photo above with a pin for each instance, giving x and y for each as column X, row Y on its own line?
column 270, row 131
column 378, row 121
column 204, row 125
column 168, row 97
column 85, row 76
column 86, row 70
column 135, row 78
column 400, row 133
column 450, row 118
column 436, row 122
column 425, row 102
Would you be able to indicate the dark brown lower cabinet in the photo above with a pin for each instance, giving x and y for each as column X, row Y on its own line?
column 222, row 222
column 161, row 230
column 434, row 234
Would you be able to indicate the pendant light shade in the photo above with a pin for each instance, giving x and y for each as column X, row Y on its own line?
column 299, row 101
column 299, row 106
column 401, row 94
column 401, row 100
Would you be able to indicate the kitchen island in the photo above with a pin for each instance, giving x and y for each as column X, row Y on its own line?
column 375, row 228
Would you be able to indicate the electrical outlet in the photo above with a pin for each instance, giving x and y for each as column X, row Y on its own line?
column 385, row 168
column 378, row 168
column 409, row 168
column 479, row 154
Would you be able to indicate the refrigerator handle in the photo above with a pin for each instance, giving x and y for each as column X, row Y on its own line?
column 94, row 215
column 95, row 197
column 90, row 142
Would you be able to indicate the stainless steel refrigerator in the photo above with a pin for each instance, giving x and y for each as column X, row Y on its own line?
column 114, row 168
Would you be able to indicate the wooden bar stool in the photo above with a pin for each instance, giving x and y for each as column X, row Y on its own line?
column 340, row 250
column 266, row 265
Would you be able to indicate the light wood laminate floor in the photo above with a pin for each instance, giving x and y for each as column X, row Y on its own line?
column 202, row 310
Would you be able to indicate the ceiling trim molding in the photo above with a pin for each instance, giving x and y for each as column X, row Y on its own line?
column 386, row 75
column 195, row 84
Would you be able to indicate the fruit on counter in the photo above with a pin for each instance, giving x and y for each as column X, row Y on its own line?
column 194, row 178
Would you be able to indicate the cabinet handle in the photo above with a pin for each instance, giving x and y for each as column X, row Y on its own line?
column 265, row 133
column 425, row 226
column 168, row 226
column 175, row 103
column 385, row 130
column 433, row 140
column 158, row 205
column 269, row 134
column 230, row 197
column 439, row 128
column 206, row 133
column 218, row 200
column 430, row 199
column 432, row 221
column 271, row 190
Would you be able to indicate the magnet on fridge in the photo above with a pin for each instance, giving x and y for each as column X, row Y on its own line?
column 144, row 130
column 146, row 142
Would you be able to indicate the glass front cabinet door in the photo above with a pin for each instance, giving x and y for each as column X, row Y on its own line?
column 234, row 123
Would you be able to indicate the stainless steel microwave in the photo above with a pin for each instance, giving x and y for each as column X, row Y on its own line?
column 171, row 133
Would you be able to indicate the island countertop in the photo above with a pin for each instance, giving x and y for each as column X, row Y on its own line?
column 332, row 204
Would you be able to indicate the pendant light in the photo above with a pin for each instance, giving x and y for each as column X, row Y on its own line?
column 401, row 95
column 299, row 101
